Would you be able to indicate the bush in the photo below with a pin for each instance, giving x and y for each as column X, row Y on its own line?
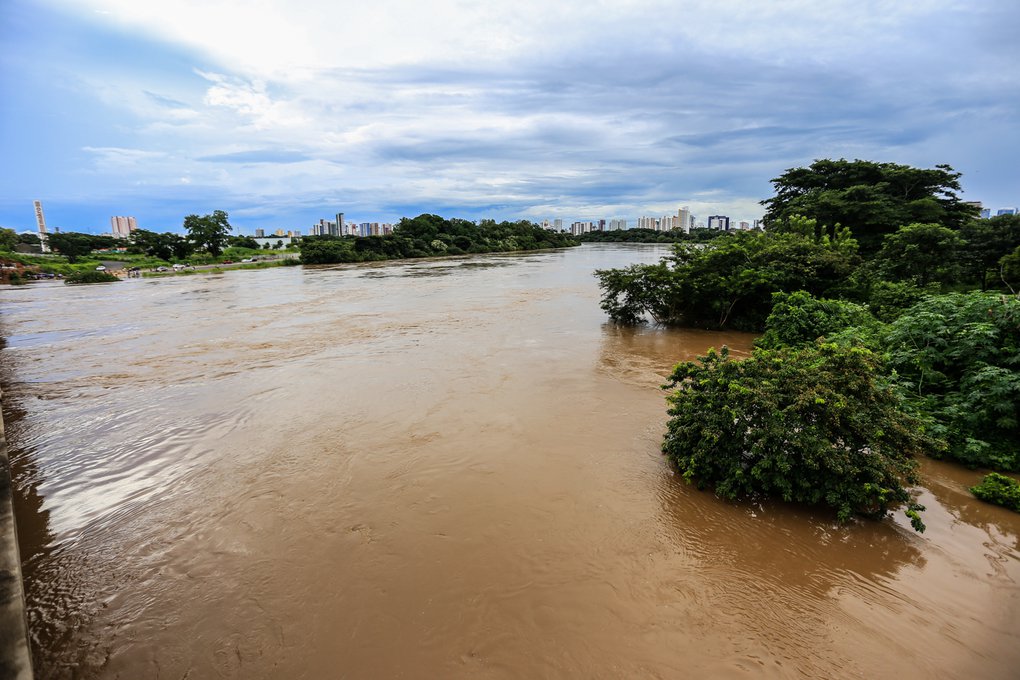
column 90, row 277
column 1000, row 490
column 800, row 319
column 813, row 425
column 958, row 358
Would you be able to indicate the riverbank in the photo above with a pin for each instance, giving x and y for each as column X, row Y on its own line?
column 15, row 656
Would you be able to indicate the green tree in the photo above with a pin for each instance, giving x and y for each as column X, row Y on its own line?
column 8, row 239
column 872, row 199
column 29, row 238
column 957, row 358
column 1009, row 270
column 812, row 425
column 71, row 245
column 987, row 242
column 243, row 242
column 728, row 282
column 208, row 232
column 800, row 318
column 922, row 253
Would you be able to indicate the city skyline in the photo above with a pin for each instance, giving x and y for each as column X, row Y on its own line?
column 160, row 110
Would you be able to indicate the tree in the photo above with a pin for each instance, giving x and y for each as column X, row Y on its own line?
column 28, row 238
column 1009, row 270
column 209, row 231
column 243, row 242
column 165, row 246
column 8, row 239
column 957, row 357
column 872, row 199
column 987, row 242
column 922, row 253
column 812, row 425
column 799, row 319
column 728, row 282
column 71, row 245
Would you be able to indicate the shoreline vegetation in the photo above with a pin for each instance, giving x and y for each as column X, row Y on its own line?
column 432, row 236
column 210, row 248
column 891, row 329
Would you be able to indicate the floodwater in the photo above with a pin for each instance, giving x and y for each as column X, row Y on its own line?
column 437, row 469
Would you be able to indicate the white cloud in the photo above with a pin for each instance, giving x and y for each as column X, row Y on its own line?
column 564, row 109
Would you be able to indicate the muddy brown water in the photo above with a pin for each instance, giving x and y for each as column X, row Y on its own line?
column 437, row 469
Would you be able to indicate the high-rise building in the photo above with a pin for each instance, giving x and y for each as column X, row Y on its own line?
column 721, row 222
column 985, row 213
column 1007, row 211
column 684, row 215
column 260, row 233
column 123, row 226
column 339, row 225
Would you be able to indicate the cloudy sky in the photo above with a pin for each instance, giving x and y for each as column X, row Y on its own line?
column 282, row 112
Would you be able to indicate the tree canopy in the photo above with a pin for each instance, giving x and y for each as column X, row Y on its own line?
column 431, row 235
column 165, row 246
column 74, row 245
column 208, row 232
column 811, row 425
column 872, row 199
column 728, row 282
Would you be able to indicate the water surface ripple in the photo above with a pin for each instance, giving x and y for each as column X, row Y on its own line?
column 437, row 469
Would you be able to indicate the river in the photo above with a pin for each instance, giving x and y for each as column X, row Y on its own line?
column 437, row 469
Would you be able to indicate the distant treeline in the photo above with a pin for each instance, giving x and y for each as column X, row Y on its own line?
column 431, row 236
column 650, row 236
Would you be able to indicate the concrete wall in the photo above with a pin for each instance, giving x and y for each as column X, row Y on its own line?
column 15, row 657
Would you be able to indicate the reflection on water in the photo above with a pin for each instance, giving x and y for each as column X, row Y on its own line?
column 436, row 469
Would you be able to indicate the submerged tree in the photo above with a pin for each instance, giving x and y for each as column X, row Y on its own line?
column 813, row 425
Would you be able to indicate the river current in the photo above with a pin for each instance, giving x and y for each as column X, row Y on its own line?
column 438, row 469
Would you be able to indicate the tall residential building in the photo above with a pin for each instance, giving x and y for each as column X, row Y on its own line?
column 721, row 222
column 686, row 219
column 744, row 225
column 1007, row 211
column 558, row 224
column 985, row 213
column 260, row 233
column 123, row 226
column 339, row 224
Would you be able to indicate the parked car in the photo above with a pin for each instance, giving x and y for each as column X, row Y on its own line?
column 101, row 268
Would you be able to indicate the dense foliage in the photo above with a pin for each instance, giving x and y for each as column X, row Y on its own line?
column 1000, row 490
column 949, row 359
column 872, row 199
column 728, row 282
column 165, row 246
column 90, row 277
column 812, row 425
column 800, row 319
column 74, row 246
column 208, row 232
column 432, row 235
column 650, row 236
column 958, row 357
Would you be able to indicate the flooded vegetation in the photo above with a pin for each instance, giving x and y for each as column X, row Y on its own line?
column 445, row 468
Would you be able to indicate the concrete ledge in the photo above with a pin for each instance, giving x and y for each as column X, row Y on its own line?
column 15, row 655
